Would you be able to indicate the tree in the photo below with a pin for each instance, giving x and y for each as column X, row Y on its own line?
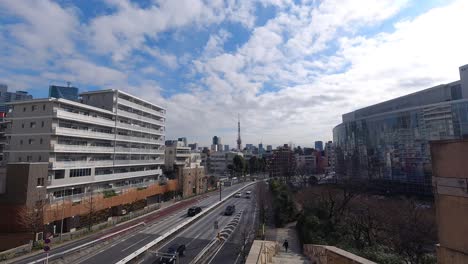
column 31, row 217
column 239, row 165
column 90, row 205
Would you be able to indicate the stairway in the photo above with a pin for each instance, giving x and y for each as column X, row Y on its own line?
column 290, row 258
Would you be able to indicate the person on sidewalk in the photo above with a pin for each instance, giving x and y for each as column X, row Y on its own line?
column 286, row 245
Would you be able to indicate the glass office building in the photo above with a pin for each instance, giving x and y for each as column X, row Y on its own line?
column 65, row 92
column 389, row 142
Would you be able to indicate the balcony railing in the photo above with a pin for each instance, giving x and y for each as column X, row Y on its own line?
column 141, row 129
column 100, row 178
column 140, row 139
column 82, row 133
column 82, row 163
column 139, row 117
column 140, row 107
column 139, row 150
column 124, row 175
column 132, row 162
column 83, row 118
column 79, row 148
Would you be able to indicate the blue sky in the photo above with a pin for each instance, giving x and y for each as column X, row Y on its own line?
column 289, row 68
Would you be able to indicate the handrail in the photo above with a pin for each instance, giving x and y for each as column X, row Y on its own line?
column 260, row 251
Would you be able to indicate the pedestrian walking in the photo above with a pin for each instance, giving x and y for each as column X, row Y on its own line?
column 286, row 245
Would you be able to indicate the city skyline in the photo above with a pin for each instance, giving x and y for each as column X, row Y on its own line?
column 281, row 65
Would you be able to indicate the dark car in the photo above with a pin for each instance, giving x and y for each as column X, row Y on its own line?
column 230, row 209
column 171, row 254
column 193, row 210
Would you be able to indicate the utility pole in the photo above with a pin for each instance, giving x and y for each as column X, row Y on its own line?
column 220, row 190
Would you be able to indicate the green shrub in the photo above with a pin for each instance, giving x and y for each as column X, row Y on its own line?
column 109, row 193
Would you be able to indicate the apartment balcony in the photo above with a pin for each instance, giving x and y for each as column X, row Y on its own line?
column 140, row 140
column 82, row 133
column 139, row 150
column 139, row 162
column 59, row 113
column 140, row 129
column 82, row 164
column 81, row 149
column 139, row 117
column 125, row 175
column 183, row 154
column 69, row 182
column 140, row 107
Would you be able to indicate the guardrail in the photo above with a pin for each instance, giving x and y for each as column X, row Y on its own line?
column 178, row 227
column 86, row 244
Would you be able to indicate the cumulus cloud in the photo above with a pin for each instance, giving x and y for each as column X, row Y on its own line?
column 291, row 80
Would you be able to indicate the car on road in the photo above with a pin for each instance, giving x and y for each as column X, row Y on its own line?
column 171, row 254
column 192, row 211
column 230, row 209
column 238, row 195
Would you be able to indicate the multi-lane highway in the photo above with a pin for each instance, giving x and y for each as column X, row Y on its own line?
column 119, row 246
column 198, row 235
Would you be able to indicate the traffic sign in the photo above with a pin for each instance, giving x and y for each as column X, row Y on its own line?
column 46, row 248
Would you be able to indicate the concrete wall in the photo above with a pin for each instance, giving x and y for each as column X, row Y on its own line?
column 450, row 181
column 54, row 211
column 321, row 254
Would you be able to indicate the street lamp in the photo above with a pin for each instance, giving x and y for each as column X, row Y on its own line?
column 63, row 212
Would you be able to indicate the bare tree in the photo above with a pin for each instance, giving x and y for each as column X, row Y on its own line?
column 31, row 217
column 90, row 205
column 263, row 196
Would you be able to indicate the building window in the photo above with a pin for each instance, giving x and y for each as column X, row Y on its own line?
column 59, row 174
column 42, row 124
column 24, row 109
column 34, row 107
column 80, row 172
column 40, row 182
column 40, row 141
column 21, row 142
column 28, row 158
column 40, row 158
column 32, row 124
column 22, row 125
column 31, row 141
column 20, row 159
column 43, row 107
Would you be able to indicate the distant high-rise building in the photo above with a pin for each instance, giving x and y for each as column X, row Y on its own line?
column 216, row 140
column 269, row 148
column 248, row 146
column 7, row 97
column 319, row 145
column 193, row 146
column 226, row 147
column 183, row 139
column 261, row 150
column 65, row 92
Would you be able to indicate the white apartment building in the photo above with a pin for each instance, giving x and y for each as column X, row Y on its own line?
column 110, row 140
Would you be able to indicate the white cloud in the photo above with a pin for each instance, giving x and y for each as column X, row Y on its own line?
column 287, row 81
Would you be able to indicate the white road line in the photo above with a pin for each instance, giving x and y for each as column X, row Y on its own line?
column 135, row 243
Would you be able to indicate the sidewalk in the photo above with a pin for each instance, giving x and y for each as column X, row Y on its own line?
column 280, row 234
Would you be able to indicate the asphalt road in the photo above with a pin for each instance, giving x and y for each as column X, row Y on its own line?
column 197, row 236
column 126, row 245
column 157, row 222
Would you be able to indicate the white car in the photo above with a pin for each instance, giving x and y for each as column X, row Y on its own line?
column 238, row 195
column 248, row 192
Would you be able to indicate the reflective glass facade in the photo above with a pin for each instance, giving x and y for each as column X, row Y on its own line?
column 393, row 146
